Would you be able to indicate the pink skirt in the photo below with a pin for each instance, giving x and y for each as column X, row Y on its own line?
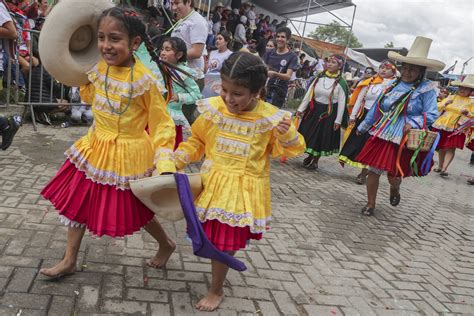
column 103, row 209
column 228, row 238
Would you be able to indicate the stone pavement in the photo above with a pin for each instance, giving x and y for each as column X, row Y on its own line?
column 320, row 258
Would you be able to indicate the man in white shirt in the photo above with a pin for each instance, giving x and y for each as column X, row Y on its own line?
column 7, row 31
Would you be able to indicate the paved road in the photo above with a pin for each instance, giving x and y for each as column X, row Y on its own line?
column 320, row 258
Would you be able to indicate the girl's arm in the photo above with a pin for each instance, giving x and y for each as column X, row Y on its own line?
column 289, row 144
column 194, row 148
column 358, row 103
column 162, row 130
column 191, row 94
column 369, row 120
column 87, row 93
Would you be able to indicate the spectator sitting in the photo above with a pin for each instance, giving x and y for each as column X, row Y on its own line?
column 217, row 16
column 241, row 31
column 234, row 19
column 79, row 113
column 218, row 56
column 8, row 33
column 273, row 25
column 252, row 16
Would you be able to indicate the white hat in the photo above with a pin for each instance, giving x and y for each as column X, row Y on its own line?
column 243, row 19
column 219, row 5
column 228, row 8
column 467, row 82
column 160, row 194
column 68, row 40
column 417, row 55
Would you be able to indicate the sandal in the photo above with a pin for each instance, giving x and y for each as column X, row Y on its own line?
column 395, row 199
column 368, row 211
column 437, row 170
column 308, row 160
column 312, row 166
column 444, row 174
column 470, row 180
column 360, row 179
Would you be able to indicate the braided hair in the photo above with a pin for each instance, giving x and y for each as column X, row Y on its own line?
column 134, row 26
column 245, row 70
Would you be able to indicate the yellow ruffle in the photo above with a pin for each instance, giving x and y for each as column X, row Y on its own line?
column 236, row 200
column 112, row 160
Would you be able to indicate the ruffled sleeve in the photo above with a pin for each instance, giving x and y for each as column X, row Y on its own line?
column 87, row 93
column 194, row 147
column 162, row 130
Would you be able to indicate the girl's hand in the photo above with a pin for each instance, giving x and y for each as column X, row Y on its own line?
column 406, row 128
column 298, row 114
column 272, row 73
column 465, row 112
column 283, row 126
column 336, row 126
column 358, row 133
column 174, row 98
column 352, row 121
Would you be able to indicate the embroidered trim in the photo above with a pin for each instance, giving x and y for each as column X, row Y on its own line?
column 233, row 147
column 291, row 142
column 181, row 156
column 101, row 104
column 163, row 154
column 235, row 220
column 102, row 176
column 206, row 165
column 236, row 126
column 67, row 222
column 121, row 88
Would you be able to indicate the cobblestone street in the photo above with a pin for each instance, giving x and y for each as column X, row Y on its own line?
column 321, row 257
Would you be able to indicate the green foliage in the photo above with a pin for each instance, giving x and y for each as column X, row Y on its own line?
column 389, row 45
column 335, row 33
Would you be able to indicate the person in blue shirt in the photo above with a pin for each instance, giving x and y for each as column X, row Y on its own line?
column 409, row 102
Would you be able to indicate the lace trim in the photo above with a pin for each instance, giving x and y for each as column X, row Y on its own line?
column 235, row 220
column 163, row 154
column 206, row 165
column 121, row 88
column 388, row 137
column 233, row 147
column 102, row 176
column 292, row 142
column 181, row 156
column 236, row 126
column 67, row 222
column 101, row 104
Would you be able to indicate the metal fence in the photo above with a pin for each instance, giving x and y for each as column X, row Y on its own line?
column 15, row 83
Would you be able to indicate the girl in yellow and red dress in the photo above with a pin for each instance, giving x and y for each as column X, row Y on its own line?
column 91, row 190
column 237, row 133
column 453, row 110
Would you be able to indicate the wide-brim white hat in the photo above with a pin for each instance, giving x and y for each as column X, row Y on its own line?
column 68, row 39
column 418, row 55
column 160, row 194
column 467, row 82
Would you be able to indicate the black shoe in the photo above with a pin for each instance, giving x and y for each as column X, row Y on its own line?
column 14, row 124
column 368, row 211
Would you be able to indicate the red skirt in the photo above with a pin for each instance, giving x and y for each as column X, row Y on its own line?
column 103, row 209
column 446, row 142
column 382, row 154
column 228, row 238
column 470, row 145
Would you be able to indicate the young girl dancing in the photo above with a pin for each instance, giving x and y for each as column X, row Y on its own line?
column 91, row 190
column 174, row 51
column 237, row 133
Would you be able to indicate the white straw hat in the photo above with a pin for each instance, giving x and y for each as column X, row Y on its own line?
column 418, row 55
column 160, row 194
column 467, row 82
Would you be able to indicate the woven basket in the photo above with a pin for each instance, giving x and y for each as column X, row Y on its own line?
column 414, row 139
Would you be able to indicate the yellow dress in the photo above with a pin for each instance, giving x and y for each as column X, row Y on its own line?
column 236, row 169
column 92, row 187
column 451, row 113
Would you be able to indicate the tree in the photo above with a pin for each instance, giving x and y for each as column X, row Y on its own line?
column 335, row 33
column 389, row 45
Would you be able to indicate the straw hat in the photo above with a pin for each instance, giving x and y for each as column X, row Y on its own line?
column 68, row 40
column 219, row 5
column 418, row 55
column 159, row 194
column 467, row 82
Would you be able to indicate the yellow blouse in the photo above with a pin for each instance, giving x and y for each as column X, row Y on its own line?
column 117, row 148
column 451, row 113
column 236, row 170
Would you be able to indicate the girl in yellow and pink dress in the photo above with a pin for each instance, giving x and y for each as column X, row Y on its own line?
column 91, row 190
column 453, row 111
column 237, row 133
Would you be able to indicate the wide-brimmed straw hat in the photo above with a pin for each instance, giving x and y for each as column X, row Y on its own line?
column 68, row 39
column 418, row 55
column 467, row 82
column 160, row 194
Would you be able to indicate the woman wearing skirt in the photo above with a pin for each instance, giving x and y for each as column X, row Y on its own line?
column 362, row 100
column 323, row 110
column 409, row 102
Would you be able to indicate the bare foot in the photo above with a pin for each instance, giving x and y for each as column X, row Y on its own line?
column 210, row 302
column 61, row 269
column 162, row 256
